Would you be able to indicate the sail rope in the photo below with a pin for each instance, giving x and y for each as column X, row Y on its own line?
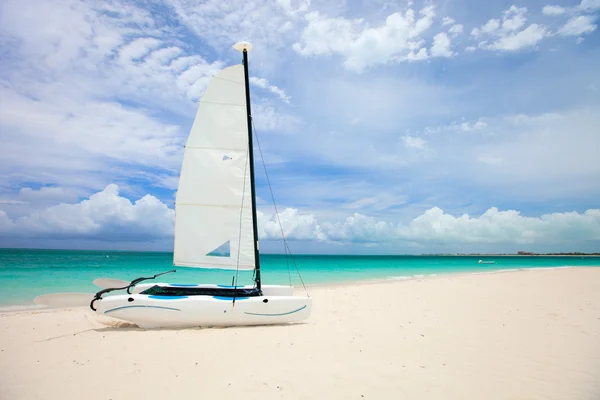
column 237, row 264
column 287, row 250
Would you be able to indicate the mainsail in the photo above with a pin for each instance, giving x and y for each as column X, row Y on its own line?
column 213, row 208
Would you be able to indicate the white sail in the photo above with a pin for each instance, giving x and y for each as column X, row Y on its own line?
column 213, row 208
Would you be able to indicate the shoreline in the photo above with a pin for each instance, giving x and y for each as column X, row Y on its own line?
column 16, row 308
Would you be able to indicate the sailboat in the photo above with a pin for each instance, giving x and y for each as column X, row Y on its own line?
column 215, row 225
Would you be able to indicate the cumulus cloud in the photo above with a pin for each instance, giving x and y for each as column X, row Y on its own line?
column 590, row 5
column 455, row 30
column 400, row 38
column 436, row 226
column 103, row 216
column 578, row 25
column 441, row 46
column 110, row 217
column 447, row 21
column 509, row 33
column 553, row 10
column 496, row 226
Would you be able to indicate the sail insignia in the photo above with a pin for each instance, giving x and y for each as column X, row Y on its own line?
column 223, row 250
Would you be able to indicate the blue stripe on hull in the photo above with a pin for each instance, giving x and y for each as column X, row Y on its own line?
column 231, row 287
column 182, row 284
column 158, row 297
column 229, row 298
column 121, row 308
column 276, row 315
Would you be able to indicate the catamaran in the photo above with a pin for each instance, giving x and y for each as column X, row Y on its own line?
column 215, row 226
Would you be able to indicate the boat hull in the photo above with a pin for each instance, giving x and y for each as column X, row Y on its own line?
column 149, row 311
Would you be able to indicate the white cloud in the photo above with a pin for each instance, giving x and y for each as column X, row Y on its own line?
column 434, row 225
column 470, row 49
column 455, row 30
column 104, row 216
column 470, row 127
column 553, row 10
column 447, row 21
column 264, row 23
column 87, row 89
column 7, row 226
column 509, row 34
column 441, row 46
column 578, row 25
column 294, row 224
column 412, row 142
column 137, row 49
column 398, row 39
column 92, row 132
column 590, row 5
column 263, row 83
column 496, row 226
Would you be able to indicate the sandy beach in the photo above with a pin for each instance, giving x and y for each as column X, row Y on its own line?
column 510, row 335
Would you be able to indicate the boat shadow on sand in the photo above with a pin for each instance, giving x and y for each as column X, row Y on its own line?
column 129, row 327
column 126, row 327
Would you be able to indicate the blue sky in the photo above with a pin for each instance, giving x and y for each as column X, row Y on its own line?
column 387, row 127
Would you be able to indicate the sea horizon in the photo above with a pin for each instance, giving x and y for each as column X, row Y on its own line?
column 531, row 254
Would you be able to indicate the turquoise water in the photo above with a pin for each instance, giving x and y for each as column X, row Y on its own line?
column 25, row 274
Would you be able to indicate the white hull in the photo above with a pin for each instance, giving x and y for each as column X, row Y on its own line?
column 276, row 306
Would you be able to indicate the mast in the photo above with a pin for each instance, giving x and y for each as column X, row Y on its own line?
column 244, row 47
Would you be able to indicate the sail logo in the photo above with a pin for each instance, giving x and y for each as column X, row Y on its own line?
column 225, row 158
column 223, row 250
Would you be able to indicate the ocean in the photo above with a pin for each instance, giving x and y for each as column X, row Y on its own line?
column 25, row 273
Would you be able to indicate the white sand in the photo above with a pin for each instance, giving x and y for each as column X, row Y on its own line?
column 513, row 335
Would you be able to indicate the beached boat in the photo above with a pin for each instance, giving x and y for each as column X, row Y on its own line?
column 215, row 225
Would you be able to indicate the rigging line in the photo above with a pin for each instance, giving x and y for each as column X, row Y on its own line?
column 296, row 266
column 287, row 263
column 287, row 247
column 237, row 267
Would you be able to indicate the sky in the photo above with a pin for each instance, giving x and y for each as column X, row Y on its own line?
column 402, row 127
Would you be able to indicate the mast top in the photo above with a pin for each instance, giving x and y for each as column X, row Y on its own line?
column 241, row 46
